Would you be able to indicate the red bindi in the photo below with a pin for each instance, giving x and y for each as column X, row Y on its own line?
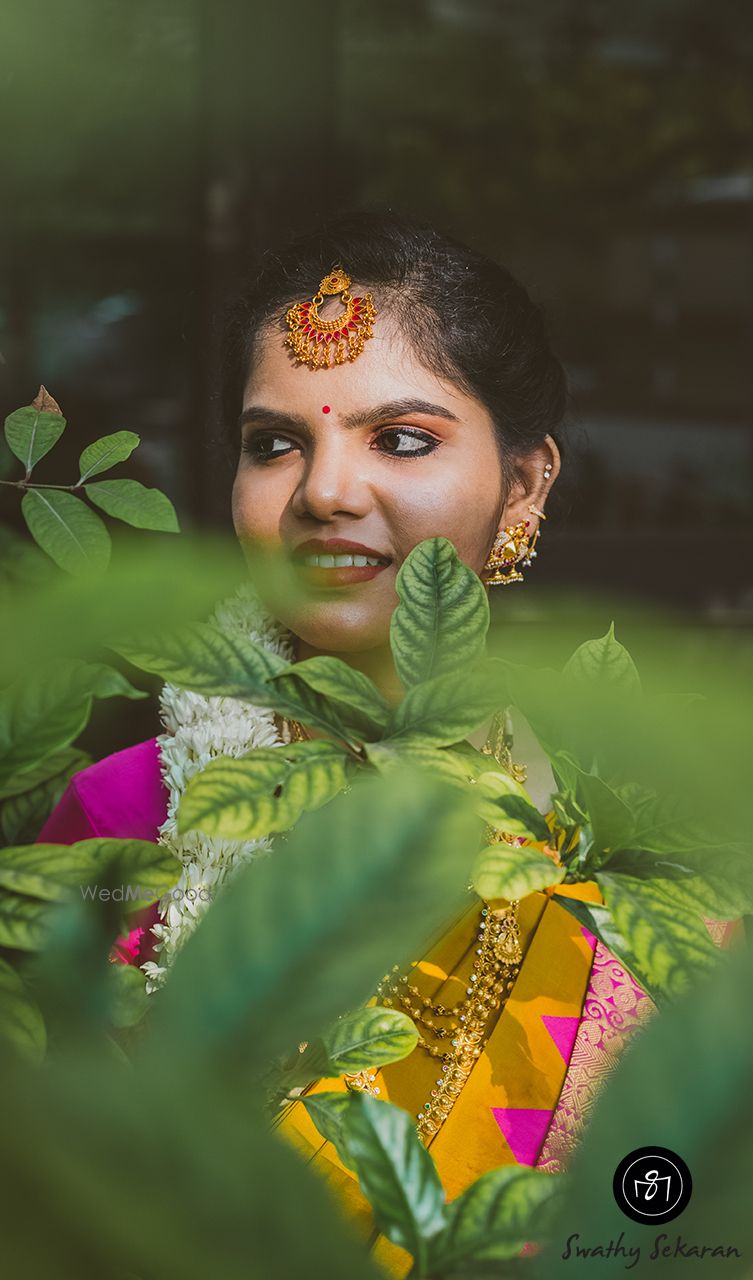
column 325, row 408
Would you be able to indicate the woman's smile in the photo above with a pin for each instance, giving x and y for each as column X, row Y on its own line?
column 337, row 562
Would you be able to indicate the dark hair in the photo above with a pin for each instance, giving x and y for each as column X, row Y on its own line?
column 469, row 319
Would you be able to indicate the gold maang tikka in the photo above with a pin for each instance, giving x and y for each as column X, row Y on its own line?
column 322, row 343
column 513, row 546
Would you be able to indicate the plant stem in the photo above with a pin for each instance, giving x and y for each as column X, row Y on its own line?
column 24, row 484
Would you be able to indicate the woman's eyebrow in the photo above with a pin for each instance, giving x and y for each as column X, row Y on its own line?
column 272, row 418
column 396, row 409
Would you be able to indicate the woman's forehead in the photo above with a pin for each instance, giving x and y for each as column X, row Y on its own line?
column 387, row 370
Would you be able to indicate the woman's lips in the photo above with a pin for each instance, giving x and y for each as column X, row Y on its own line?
column 338, row 562
column 342, row 575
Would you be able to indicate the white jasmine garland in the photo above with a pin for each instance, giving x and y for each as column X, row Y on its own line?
column 197, row 729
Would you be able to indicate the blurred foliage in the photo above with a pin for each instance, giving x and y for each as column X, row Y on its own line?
column 121, row 1106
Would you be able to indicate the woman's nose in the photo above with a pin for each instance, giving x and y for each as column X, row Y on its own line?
column 332, row 482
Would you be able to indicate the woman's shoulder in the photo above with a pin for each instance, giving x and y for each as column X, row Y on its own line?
column 121, row 796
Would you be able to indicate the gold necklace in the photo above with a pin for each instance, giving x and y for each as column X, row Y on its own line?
column 496, row 965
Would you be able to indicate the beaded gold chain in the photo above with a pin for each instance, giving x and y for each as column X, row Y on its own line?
column 496, row 964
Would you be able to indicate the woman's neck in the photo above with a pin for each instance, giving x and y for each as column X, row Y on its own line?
column 375, row 663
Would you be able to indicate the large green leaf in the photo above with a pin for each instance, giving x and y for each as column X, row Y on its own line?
column 128, row 999
column 25, row 924
column 50, row 871
column 396, row 1174
column 44, row 711
column 297, row 700
column 713, row 882
column 31, row 433
column 507, row 805
column 106, row 452
column 444, row 709
column 511, row 871
column 604, row 661
column 63, row 526
column 447, row 764
column 369, row 1037
column 209, row 661
column 355, row 697
column 265, row 791
column 80, row 1139
column 498, row 1214
column 442, row 619
column 21, row 1023
column 266, row 966
column 132, row 502
column 328, row 1112
column 68, row 760
column 611, row 821
column 23, row 815
column 666, row 946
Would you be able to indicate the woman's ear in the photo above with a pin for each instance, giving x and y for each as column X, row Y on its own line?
column 535, row 473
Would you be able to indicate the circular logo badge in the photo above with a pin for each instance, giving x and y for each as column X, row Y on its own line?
column 652, row 1185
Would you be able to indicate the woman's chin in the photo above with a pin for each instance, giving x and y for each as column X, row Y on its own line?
column 336, row 628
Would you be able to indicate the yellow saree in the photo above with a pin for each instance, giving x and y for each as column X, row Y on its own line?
column 506, row 1106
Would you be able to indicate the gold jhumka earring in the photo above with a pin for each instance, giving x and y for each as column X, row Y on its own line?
column 513, row 546
column 321, row 343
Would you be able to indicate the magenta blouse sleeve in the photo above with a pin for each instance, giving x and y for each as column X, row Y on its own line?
column 120, row 797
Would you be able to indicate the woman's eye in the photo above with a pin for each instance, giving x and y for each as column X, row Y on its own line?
column 405, row 442
column 267, row 446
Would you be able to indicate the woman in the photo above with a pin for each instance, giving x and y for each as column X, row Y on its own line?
column 423, row 400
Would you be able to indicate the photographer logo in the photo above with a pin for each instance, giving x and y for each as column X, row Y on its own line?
column 652, row 1184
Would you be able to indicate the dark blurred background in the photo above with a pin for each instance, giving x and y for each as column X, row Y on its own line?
column 603, row 151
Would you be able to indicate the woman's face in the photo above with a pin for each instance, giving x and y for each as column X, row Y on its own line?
column 363, row 460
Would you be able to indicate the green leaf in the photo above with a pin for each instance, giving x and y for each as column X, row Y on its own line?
column 81, row 1134
column 266, row 966
column 129, row 1001
column 106, row 452
column 711, row 882
column 369, row 1038
column 23, row 815
column 21, row 1023
column 442, row 619
column 506, row 804
column 265, row 791
column 328, row 1112
column 68, row 761
column 48, row 871
column 132, row 502
column 446, row 763
column 512, row 871
column 666, row 947
column 440, row 711
column 296, row 700
column 43, row 712
column 666, row 824
column 63, row 526
column 31, row 434
column 498, row 1214
column 202, row 658
column 25, row 923
column 355, row 697
column 611, row 821
column 396, row 1174
column 606, row 661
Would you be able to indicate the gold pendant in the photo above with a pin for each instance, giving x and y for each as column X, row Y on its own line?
column 321, row 343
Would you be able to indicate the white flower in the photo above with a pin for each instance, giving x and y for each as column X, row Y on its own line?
column 197, row 730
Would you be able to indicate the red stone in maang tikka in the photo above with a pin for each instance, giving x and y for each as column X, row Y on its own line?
column 320, row 344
